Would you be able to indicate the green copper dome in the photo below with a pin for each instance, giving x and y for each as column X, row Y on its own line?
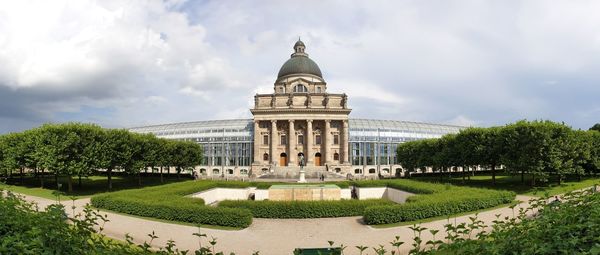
column 299, row 63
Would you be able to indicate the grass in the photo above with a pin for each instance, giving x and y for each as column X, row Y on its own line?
column 513, row 183
column 407, row 223
column 90, row 186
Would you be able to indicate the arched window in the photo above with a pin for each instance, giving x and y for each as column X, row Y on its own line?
column 202, row 171
column 300, row 88
column 229, row 171
column 336, row 156
column 358, row 171
column 266, row 157
column 372, row 170
column 318, row 89
column 244, row 171
column 215, row 171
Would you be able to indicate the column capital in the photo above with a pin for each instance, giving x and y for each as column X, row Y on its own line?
column 328, row 121
column 291, row 121
column 273, row 121
column 309, row 121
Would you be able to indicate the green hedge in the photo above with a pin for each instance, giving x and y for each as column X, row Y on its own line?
column 169, row 202
column 447, row 200
column 305, row 209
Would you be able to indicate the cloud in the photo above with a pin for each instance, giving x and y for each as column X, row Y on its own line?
column 147, row 62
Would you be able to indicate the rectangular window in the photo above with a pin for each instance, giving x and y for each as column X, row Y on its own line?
column 336, row 139
column 300, row 139
column 318, row 139
column 283, row 140
column 266, row 140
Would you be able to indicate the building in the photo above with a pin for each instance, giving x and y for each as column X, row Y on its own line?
column 300, row 119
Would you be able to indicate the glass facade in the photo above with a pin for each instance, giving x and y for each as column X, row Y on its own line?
column 230, row 142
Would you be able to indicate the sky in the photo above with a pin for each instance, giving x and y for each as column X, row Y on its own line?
column 132, row 63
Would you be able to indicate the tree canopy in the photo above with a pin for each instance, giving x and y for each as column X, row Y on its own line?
column 76, row 149
column 540, row 148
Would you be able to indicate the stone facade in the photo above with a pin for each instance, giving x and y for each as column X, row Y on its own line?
column 300, row 118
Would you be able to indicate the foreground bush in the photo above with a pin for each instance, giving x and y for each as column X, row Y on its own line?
column 434, row 200
column 567, row 227
column 24, row 230
column 305, row 209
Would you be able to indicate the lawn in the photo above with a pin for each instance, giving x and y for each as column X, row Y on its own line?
column 513, row 183
column 90, row 186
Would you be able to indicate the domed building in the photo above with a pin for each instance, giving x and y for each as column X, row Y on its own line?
column 300, row 123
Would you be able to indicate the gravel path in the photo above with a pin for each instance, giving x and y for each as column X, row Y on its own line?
column 277, row 236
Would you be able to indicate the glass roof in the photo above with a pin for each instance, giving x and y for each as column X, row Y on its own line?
column 382, row 125
column 235, row 124
column 354, row 125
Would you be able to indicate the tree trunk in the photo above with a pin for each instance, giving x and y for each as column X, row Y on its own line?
column 533, row 180
column 42, row 178
column 79, row 184
column 109, row 174
column 161, row 174
column 56, row 179
column 178, row 172
column 469, row 174
column 523, row 176
column 463, row 174
column 559, row 179
column 140, row 178
column 494, row 174
column 70, row 184
column 441, row 174
column 22, row 175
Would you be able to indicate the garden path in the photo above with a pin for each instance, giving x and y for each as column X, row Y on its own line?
column 276, row 236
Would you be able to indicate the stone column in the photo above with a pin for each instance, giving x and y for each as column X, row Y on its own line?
column 309, row 143
column 345, row 143
column 292, row 144
column 257, row 143
column 327, row 140
column 274, row 158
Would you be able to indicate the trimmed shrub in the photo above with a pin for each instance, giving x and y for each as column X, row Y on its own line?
column 169, row 202
column 305, row 209
column 446, row 200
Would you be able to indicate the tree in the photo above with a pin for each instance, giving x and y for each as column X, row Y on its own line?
column 596, row 127
column 14, row 154
column 186, row 154
column 68, row 149
column 468, row 143
column 492, row 149
column 593, row 163
column 115, row 151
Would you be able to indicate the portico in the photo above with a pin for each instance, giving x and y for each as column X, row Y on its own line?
column 300, row 117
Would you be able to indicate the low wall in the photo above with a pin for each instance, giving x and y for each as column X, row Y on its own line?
column 345, row 193
column 392, row 194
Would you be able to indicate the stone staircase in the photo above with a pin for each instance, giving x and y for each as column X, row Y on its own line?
column 293, row 172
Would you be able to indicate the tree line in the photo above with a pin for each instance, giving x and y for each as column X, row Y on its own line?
column 539, row 148
column 76, row 150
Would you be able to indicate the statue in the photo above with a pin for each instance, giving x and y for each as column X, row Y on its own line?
column 301, row 163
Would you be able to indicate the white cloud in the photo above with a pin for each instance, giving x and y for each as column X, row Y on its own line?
column 148, row 62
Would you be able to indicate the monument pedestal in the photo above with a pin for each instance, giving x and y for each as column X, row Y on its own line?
column 302, row 177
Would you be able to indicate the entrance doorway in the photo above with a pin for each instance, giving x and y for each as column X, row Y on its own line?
column 283, row 159
column 317, row 159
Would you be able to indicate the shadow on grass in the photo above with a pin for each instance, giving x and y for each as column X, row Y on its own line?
column 514, row 183
column 90, row 185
